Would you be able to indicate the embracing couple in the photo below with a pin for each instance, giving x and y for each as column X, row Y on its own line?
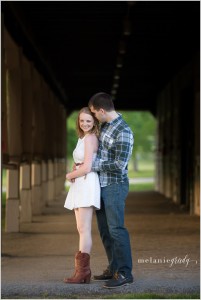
column 99, row 181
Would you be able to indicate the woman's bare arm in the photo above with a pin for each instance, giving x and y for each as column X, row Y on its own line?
column 90, row 146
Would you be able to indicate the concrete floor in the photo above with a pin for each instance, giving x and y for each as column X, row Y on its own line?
column 165, row 246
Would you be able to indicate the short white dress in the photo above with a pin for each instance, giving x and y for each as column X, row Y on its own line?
column 85, row 191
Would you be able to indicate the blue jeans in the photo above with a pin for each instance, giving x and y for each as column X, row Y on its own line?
column 114, row 235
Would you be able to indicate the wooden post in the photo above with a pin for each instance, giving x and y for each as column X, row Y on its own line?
column 36, row 188
column 14, row 132
column 25, row 193
column 27, row 110
column 12, row 200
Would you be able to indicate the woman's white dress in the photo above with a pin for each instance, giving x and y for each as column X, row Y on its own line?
column 84, row 192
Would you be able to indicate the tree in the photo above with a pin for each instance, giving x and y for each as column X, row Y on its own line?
column 143, row 125
column 71, row 133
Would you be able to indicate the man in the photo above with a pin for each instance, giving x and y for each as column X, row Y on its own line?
column 115, row 149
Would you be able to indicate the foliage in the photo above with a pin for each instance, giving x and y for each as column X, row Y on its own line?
column 71, row 133
column 143, row 125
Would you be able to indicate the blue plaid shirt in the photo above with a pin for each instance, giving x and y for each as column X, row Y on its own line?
column 115, row 148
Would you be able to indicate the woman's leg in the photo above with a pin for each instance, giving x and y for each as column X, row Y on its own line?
column 82, row 257
column 83, row 219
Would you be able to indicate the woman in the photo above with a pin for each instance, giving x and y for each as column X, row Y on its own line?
column 84, row 193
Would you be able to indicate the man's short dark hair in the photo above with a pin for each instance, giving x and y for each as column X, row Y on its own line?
column 101, row 100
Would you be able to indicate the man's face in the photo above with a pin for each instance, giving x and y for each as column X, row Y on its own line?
column 99, row 114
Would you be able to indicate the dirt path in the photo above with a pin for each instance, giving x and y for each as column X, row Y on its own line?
column 163, row 240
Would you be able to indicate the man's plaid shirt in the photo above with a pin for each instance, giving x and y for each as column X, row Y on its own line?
column 115, row 148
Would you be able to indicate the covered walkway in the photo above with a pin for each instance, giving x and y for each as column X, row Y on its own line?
column 35, row 261
column 146, row 55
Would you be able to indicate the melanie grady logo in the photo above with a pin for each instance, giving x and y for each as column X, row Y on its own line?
column 170, row 261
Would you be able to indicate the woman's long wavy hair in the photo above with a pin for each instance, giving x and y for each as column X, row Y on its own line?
column 96, row 127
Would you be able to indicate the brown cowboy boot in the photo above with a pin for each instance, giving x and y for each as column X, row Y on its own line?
column 76, row 255
column 83, row 272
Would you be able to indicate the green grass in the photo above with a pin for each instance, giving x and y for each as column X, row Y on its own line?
column 47, row 295
column 3, row 198
column 141, row 174
column 3, row 178
column 152, row 296
column 141, row 187
column 146, row 169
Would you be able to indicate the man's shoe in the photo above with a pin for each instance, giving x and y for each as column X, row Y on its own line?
column 117, row 281
column 103, row 277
